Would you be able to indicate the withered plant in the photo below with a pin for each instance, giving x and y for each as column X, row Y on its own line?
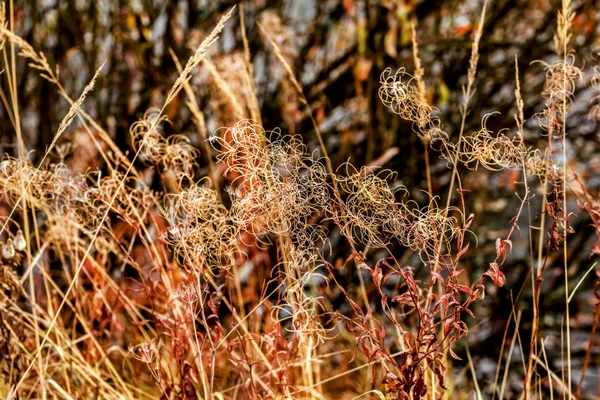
column 199, row 265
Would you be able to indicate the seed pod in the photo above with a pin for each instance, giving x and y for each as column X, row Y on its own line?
column 8, row 250
column 20, row 243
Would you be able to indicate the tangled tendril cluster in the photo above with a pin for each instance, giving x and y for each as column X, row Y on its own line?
column 369, row 205
column 428, row 225
column 398, row 92
column 492, row 152
column 541, row 166
column 52, row 189
column 559, row 88
column 305, row 317
column 373, row 216
column 200, row 232
column 73, row 204
column 280, row 187
column 173, row 154
column 124, row 195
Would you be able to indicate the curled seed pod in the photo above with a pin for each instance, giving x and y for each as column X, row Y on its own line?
column 19, row 242
column 8, row 250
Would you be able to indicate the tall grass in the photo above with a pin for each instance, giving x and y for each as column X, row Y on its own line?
column 117, row 288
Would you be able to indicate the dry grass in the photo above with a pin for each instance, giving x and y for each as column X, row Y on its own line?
column 113, row 288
